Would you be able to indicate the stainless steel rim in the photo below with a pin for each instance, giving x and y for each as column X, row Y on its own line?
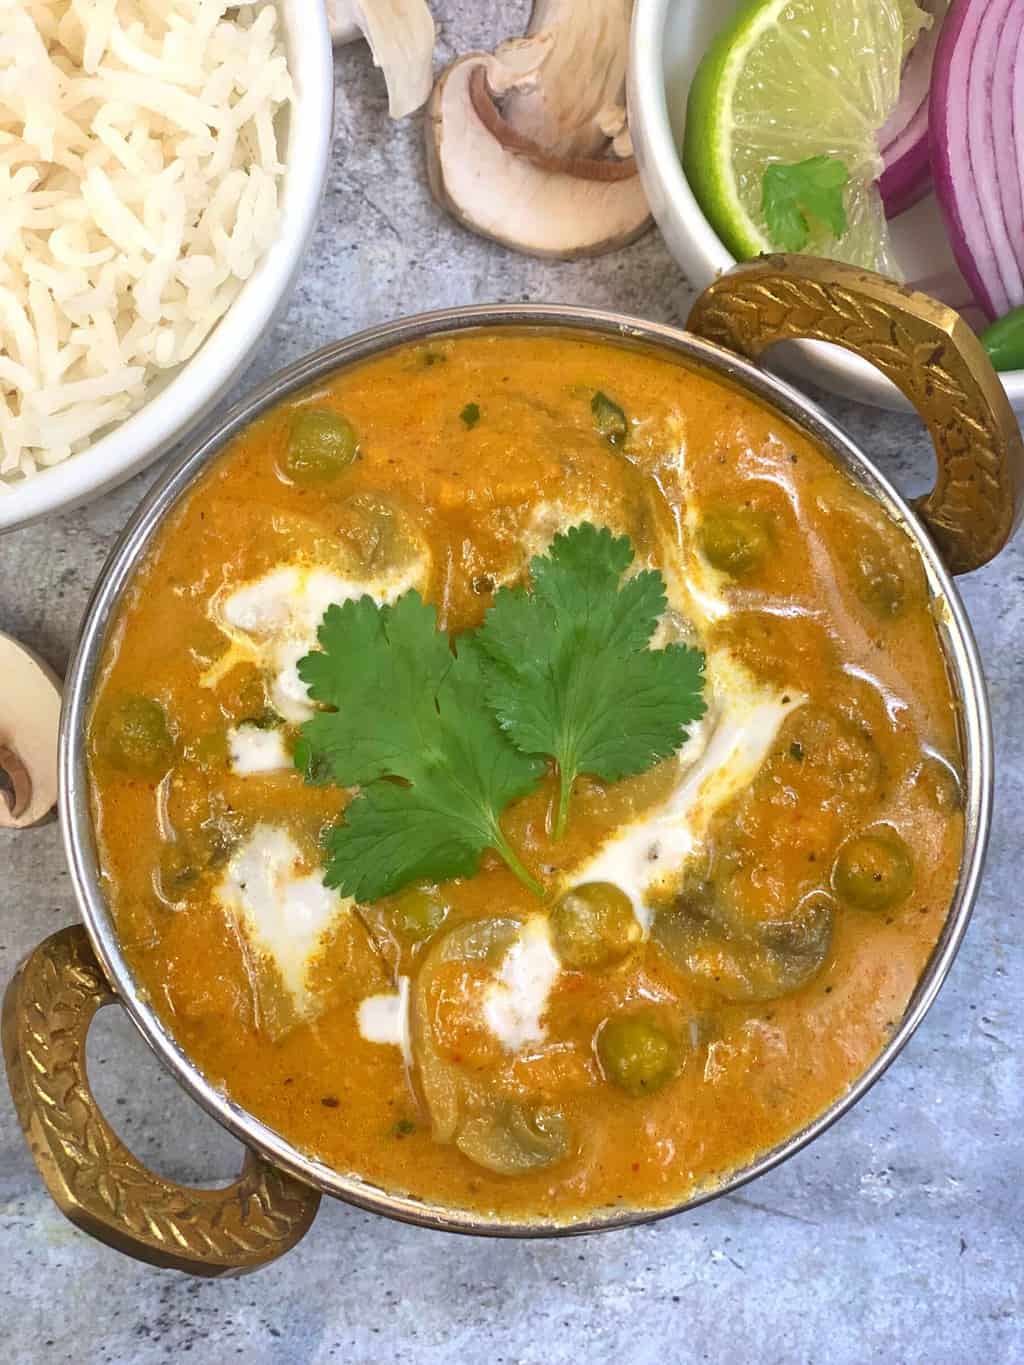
column 76, row 822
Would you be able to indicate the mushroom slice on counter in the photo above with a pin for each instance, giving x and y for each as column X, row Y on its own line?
column 530, row 146
column 29, row 719
column 401, row 38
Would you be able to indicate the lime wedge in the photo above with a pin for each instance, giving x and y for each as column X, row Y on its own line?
column 787, row 80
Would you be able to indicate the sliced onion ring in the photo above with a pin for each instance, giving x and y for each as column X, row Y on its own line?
column 1008, row 130
column 975, row 174
column 903, row 139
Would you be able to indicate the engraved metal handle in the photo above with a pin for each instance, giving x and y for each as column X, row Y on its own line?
column 928, row 352
column 90, row 1174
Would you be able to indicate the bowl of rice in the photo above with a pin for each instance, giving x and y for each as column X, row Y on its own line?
column 161, row 169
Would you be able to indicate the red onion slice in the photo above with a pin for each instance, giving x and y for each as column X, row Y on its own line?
column 907, row 172
column 1008, row 130
column 984, row 158
column 972, row 172
column 903, row 139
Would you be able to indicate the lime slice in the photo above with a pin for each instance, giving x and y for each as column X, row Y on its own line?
column 787, row 80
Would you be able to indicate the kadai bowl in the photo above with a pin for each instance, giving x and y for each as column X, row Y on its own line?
column 527, row 773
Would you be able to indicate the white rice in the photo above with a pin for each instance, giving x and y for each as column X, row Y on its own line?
column 139, row 175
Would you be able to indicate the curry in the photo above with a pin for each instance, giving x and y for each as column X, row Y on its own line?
column 630, row 986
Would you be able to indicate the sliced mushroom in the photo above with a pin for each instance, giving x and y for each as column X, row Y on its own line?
column 511, row 1140
column 764, row 964
column 29, row 719
column 448, row 1090
column 401, row 38
column 530, row 146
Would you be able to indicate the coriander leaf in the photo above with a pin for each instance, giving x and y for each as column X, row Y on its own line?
column 380, row 667
column 571, row 672
column 790, row 192
column 408, row 709
column 470, row 415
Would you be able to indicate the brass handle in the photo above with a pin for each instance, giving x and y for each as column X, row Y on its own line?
column 928, row 352
column 90, row 1174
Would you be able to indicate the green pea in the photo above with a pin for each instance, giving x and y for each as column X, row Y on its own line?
column 593, row 926
column 609, row 419
column 321, row 446
column 873, row 871
column 877, row 579
column 735, row 540
column 134, row 736
column 417, row 913
column 636, row 1053
column 1004, row 341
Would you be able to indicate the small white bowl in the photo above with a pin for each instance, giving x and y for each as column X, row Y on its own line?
column 194, row 390
column 669, row 37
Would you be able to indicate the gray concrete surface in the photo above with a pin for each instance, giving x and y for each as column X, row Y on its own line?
column 895, row 1238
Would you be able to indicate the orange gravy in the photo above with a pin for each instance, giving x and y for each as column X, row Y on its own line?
column 833, row 609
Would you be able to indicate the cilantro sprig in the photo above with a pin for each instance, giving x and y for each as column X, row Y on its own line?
column 440, row 738
column 573, row 676
column 411, row 728
column 791, row 194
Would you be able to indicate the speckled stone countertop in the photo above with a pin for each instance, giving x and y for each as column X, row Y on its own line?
column 896, row 1237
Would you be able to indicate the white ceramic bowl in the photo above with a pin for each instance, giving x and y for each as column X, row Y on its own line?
column 669, row 38
column 186, row 399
